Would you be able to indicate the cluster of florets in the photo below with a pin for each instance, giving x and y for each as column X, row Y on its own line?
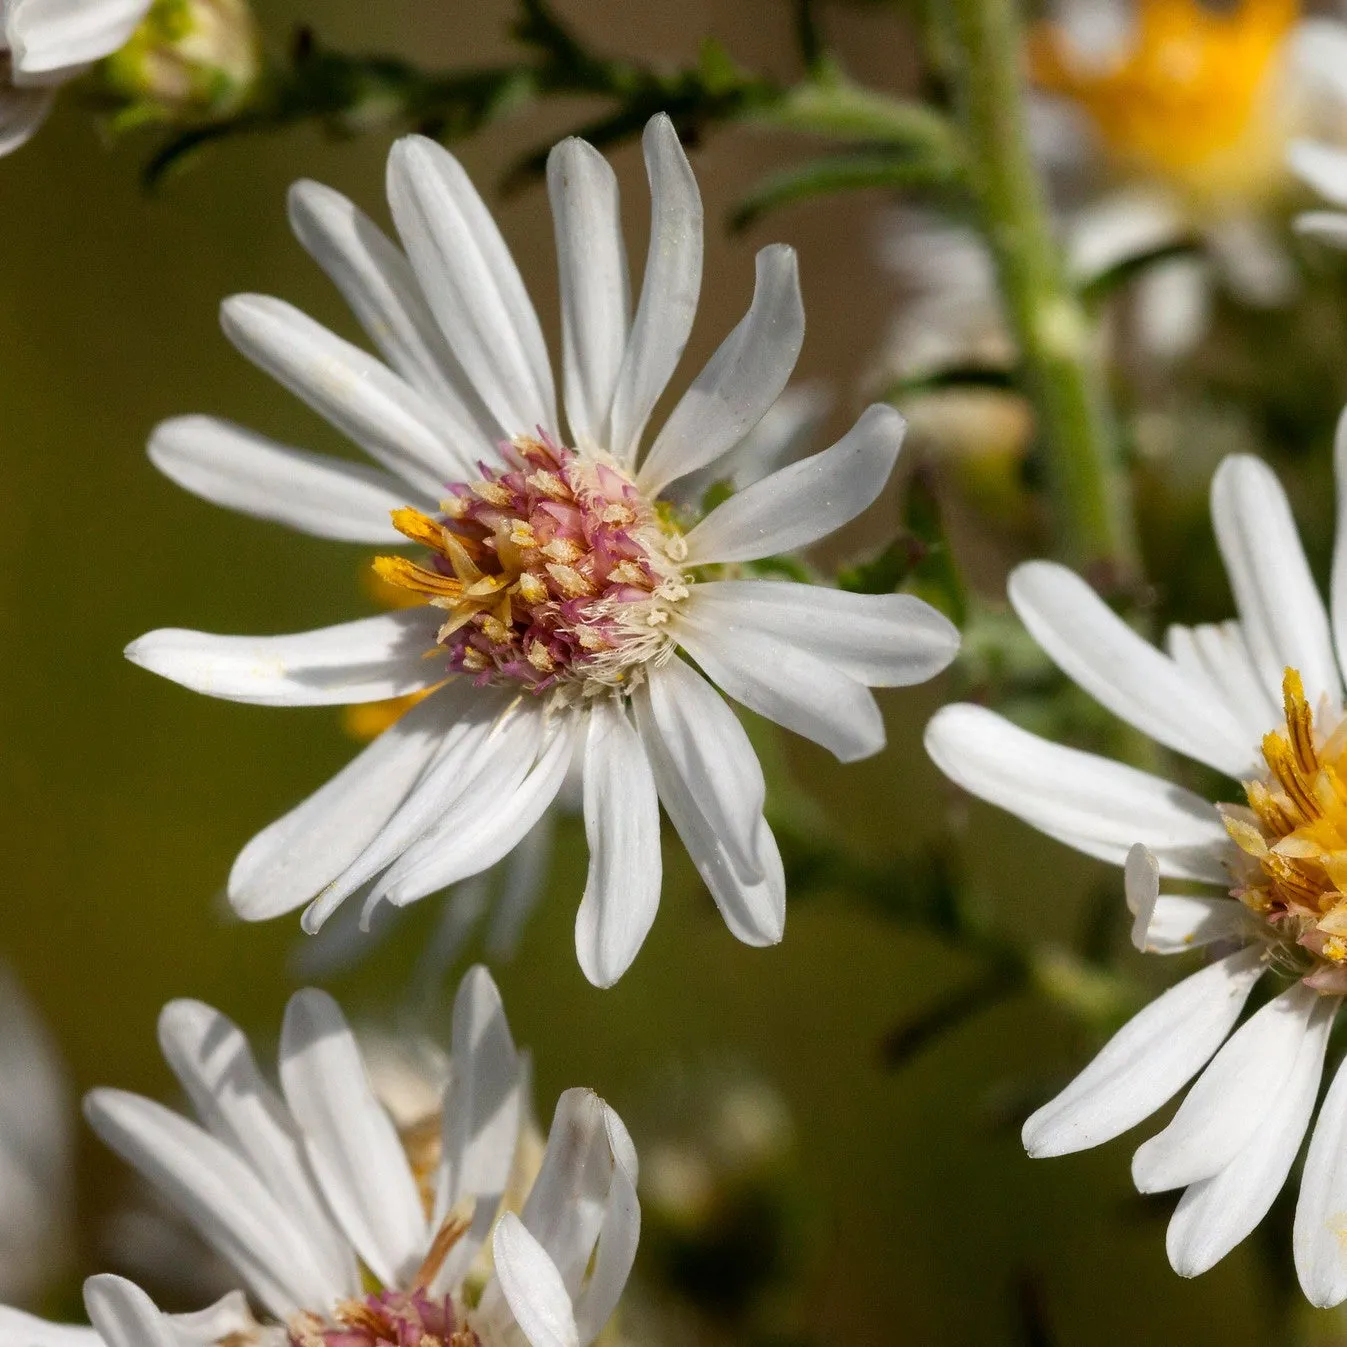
column 554, row 571
column 386, row 1319
column 1293, row 837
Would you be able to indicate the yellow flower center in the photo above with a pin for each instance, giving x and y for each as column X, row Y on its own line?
column 1194, row 100
column 1294, row 835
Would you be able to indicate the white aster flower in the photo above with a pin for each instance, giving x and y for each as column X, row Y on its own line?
column 1260, row 700
column 562, row 582
column 36, row 1149
column 342, row 1234
column 44, row 43
column 1188, row 110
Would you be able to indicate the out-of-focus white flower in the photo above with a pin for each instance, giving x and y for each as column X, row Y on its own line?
column 1318, row 161
column 1260, row 700
column 44, row 43
column 1188, row 111
column 310, row 1192
column 562, row 577
column 36, row 1149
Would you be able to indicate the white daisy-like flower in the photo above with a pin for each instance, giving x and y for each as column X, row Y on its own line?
column 1260, row 700
column 1188, row 110
column 44, row 43
column 562, row 580
column 36, row 1149
column 342, row 1234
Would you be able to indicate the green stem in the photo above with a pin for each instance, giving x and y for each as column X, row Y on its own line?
column 1095, row 521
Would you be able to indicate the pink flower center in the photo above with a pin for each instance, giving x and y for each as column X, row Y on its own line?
column 554, row 571
column 388, row 1319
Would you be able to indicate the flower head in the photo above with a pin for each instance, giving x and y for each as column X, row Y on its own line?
column 1259, row 699
column 563, row 575
column 345, row 1232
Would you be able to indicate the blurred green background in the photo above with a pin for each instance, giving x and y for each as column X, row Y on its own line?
column 124, row 798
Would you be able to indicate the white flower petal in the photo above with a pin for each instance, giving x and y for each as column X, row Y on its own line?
column 365, row 661
column 1217, row 1213
column 532, row 1286
column 614, row 1254
column 806, row 501
column 754, row 910
column 472, row 284
column 211, row 1058
column 220, row 1197
column 1096, row 649
column 525, row 882
column 469, row 717
column 622, row 829
column 50, row 37
column 352, row 1145
column 595, row 286
column 566, row 1205
column 1321, row 1212
column 229, row 1315
column 1280, row 608
column 1091, row 803
column 779, row 680
column 1323, row 166
column 1226, row 1107
column 1219, row 654
column 1141, row 886
column 394, row 424
column 504, row 802
column 124, row 1315
column 1147, row 1061
column 669, row 289
column 1338, row 579
column 481, row 1115
column 293, row 858
column 18, row 1329
column 377, row 281
column 881, row 640
column 740, row 382
column 22, row 111
column 230, row 466
column 708, row 748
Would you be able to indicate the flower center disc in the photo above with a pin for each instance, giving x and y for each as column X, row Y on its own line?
column 556, row 572
column 387, row 1319
column 1294, row 836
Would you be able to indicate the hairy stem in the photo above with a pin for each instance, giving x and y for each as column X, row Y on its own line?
column 1092, row 495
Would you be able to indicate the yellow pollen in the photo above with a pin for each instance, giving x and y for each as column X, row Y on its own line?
column 563, row 550
column 521, row 533
column 491, row 492
column 618, row 514
column 474, row 661
column 531, row 589
column 408, row 575
column 495, row 629
column 420, row 528
column 572, row 583
column 1194, row 98
column 548, row 483
column 540, row 658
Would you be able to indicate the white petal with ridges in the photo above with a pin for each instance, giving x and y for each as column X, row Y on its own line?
column 394, row 424
column 377, row 281
column 351, row 1144
column 124, row 1315
column 1280, row 609
column 51, row 37
column 1096, row 649
column 18, row 1329
column 472, row 284
column 799, row 504
column 881, row 640
column 1219, row 654
column 669, row 289
column 220, row 1197
column 1227, row 1104
column 532, row 1286
column 595, row 286
column 1147, row 1061
column 740, row 382
column 290, row 860
column 779, row 680
column 369, row 660
column 1216, row 1214
column 211, row 1058
column 1321, row 1212
column 1094, row 804
column 230, row 466
column 622, row 829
